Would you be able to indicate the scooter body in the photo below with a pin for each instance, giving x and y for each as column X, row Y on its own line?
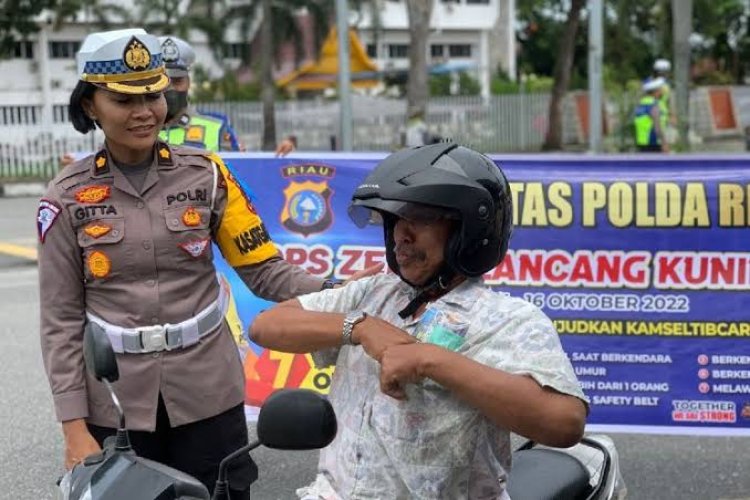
column 290, row 419
column 589, row 470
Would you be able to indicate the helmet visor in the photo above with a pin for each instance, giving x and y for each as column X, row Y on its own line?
column 372, row 213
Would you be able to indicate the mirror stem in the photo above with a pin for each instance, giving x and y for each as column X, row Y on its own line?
column 220, row 490
column 122, row 442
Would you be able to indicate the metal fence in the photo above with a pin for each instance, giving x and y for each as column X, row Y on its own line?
column 503, row 123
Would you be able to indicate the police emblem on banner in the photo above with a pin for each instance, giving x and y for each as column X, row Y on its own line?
column 307, row 203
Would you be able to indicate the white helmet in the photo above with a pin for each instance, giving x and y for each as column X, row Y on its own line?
column 662, row 65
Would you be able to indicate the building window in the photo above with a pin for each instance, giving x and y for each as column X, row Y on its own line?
column 398, row 51
column 372, row 50
column 485, row 2
column 459, row 50
column 23, row 50
column 60, row 113
column 18, row 115
column 437, row 50
column 235, row 50
column 64, row 49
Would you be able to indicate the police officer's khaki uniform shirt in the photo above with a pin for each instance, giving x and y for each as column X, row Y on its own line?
column 139, row 259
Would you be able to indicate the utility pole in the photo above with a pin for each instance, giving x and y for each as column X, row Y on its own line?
column 345, row 82
column 682, row 18
column 596, row 54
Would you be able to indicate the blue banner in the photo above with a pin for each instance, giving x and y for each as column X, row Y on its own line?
column 641, row 262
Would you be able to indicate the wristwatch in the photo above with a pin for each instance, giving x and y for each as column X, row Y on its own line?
column 350, row 320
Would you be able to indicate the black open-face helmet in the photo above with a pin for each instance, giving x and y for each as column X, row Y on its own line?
column 460, row 182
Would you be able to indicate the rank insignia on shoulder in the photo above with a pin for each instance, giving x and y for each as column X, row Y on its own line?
column 165, row 155
column 45, row 217
column 93, row 194
column 195, row 248
column 191, row 217
column 100, row 163
column 97, row 229
column 99, row 264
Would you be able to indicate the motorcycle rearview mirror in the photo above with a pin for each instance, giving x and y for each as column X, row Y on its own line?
column 296, row 419
column 101, row 363
column 99, row 355
column 290, row 419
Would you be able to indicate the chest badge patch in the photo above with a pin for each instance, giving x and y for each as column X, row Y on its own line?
column 97, row 229
column 99, row 264
column 191, row 217
column 195, row 248
column 93, row 194
column 45, row 217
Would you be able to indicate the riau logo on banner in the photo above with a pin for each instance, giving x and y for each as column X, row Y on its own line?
column 307, row 204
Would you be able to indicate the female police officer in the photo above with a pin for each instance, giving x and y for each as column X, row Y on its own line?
column 125, row 246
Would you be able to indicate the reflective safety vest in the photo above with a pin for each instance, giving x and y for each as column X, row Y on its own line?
column 645, row 132
column 201, row 132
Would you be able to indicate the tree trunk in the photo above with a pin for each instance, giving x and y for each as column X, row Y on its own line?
column 563, row 66
column 268, row 90
column 417, row 88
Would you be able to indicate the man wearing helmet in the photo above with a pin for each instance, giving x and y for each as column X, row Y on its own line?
column 433, row 369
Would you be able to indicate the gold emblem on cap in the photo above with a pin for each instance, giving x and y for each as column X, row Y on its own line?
column 137, row 57
column 99, row 264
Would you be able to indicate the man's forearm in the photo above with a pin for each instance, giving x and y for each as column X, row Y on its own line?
column 514, row 402
column 289, row 328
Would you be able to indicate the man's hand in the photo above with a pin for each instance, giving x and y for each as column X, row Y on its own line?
column 79, row 443
column 285, row 147
column 377, row 335
column 401, row 365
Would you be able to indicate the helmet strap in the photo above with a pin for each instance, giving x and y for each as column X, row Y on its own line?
column 440, row 284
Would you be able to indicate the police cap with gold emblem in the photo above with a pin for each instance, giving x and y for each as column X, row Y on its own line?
column 126, row 61
column 178, row 55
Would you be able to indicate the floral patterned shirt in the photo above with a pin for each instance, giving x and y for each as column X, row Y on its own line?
column 431, row 445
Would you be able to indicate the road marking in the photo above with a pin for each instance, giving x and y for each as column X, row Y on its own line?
column 18, row 251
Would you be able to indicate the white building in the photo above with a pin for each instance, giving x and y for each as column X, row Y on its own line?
column 38, row 78
column 475, row 34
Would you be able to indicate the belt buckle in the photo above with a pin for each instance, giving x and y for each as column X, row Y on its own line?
column 153, row 338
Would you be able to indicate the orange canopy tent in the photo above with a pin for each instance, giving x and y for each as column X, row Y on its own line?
column 323, row 73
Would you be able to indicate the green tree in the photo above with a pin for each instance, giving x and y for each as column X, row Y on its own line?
column 18, row 20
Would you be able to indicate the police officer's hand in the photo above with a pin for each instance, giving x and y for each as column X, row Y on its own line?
column 79, row 443
column 66, row 160
column 376, row 335
column 364, row 273
column 401, row 365
column 284, row 148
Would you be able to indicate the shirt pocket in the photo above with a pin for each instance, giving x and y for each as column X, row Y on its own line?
column 189, row 231
column 431, row 432
column 103, row 249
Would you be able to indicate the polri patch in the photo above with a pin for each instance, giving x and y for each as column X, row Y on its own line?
column 191, row 217
column 99, row 264
column 195, row 248
column 97, row 229
column 45, row 217
column 93, row 194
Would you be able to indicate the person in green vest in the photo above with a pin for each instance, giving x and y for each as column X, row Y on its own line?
column 662, row 68
column 184, row 125
column 649, row 119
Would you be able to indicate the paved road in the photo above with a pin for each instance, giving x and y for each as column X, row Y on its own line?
column 655, row 468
